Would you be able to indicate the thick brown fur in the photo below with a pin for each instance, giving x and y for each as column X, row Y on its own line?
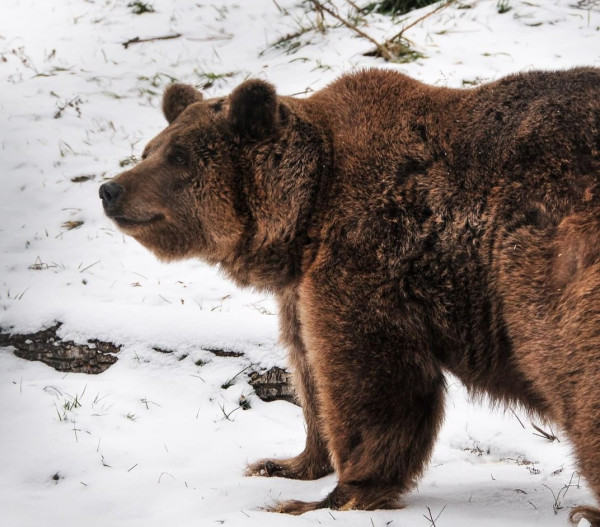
column 406, row 231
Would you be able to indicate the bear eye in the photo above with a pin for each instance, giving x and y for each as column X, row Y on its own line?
column 178, row 157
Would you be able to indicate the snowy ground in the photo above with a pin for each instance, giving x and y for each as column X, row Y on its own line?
column 147, row 442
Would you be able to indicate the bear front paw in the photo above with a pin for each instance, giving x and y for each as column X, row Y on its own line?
column 299, row 467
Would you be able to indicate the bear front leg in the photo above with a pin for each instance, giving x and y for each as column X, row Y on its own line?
column 314, row 462
column 381, row 401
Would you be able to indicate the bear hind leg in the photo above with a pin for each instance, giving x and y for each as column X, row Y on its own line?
column 345, row 497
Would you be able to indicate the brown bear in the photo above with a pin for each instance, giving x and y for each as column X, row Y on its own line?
column 406, row 231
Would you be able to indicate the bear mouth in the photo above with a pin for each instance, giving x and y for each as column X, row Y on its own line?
column 125, row 222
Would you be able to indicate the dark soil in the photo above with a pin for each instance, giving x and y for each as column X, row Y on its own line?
column 63, row 355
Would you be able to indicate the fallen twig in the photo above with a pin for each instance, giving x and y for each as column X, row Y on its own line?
column 138, row 40
column 546, row 435
column 400, row 34
column 210, row 39
column 381, row 49
column 520, row 422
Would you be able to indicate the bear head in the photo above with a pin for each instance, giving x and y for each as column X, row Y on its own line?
column 230, row 180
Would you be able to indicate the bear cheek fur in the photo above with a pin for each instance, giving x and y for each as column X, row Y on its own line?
column 147, row 193
column 214, row 206
column 199, row 219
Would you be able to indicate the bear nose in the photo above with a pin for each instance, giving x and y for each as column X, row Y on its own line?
column 110, row 193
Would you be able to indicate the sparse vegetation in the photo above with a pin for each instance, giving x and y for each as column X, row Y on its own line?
column 550, row 436
column 74, row 103
column 324, row 15
column 38, row 265
column 129, row 161
column 228, row 383
column 557, row 505
column 68, row 405
column 139, row 8
column 477, row 450
column 83, row 179
column 243, row 404
column 207, row 79
column 395, row 49
column 72, row 224
column 429, row 516
column 522, row 461
column 399, row 7
column 503, row 6
column 157, row 80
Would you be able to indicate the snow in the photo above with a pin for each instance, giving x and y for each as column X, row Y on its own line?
column 148, row 441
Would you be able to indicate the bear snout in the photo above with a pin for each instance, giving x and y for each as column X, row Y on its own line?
column 125, row 214
column 109, row 194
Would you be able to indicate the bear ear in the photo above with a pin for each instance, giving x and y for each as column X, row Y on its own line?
column 178, row 97
column 252, row 110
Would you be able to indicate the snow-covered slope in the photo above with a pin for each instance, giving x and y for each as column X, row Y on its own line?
column 148, row 441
